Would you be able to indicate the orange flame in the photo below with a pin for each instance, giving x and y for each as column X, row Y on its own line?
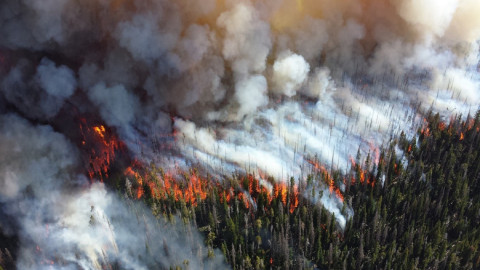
column 130, row 172
column 294, row 199
column 354, row 164
column 470, row 124
column 441, row 126
column 194, row 188
column 284, row 191
column 243, row 197
column 425, row 128
column 140, row 192
column 363, row 175
column 100, row 130
column 328, row 179
column 375, row 151
column 101, row 146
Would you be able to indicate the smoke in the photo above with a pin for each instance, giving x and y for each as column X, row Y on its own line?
column 37, row 168
column 247, row 86
column 58, row 216
column 117, row 106
column 289, row 73
column 143, row 38
column 251, row 95
column 247, row 39
column 428, row 18
column 41, row 92
column 58, row 82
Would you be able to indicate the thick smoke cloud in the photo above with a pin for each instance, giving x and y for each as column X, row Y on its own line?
column 289, row 73
column 250, row 86
column 58, row 216
column 58, row 82
column 117, row 106
column 41, row 92
column 31, row 157
column 251, row 94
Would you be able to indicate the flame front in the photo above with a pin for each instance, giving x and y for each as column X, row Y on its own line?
column 100, row 130
column 328, row 179
column 191, row 188
column 101, row 146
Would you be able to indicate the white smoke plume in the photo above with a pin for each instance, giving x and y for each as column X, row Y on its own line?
column 289, row 73
column 250, row 86
column 59, row 217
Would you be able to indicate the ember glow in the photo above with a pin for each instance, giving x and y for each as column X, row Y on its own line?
column 442, row 125
column 328, row 179
column 101, row 147
column 210, row 89
column 363, row 174
column 191, row 188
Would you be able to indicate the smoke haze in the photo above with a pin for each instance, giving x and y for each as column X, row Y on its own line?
column 244, row 86
column 58, row 215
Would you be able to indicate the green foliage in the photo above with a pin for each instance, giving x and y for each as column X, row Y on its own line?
column 418, row 208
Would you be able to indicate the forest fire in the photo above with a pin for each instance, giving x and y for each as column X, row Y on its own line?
column 100, row 130
column 375, row 151
column 188, row 186
column 162, row 185
column 469, row 124
column 44, row 260
column 362, row 174
column 191, row 188
column 328, row 179
column 137, row 130
column 101, row 146
column 460, row 130
column 425, row 130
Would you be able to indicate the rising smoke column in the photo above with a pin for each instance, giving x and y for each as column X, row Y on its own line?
column 247, row 86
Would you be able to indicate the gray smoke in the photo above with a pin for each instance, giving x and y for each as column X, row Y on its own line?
column 60, row 217
column 252, row 85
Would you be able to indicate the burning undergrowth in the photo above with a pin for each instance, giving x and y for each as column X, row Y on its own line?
column 195, row 185
column 90, row 228
column 238, row 88
column 101, row 146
